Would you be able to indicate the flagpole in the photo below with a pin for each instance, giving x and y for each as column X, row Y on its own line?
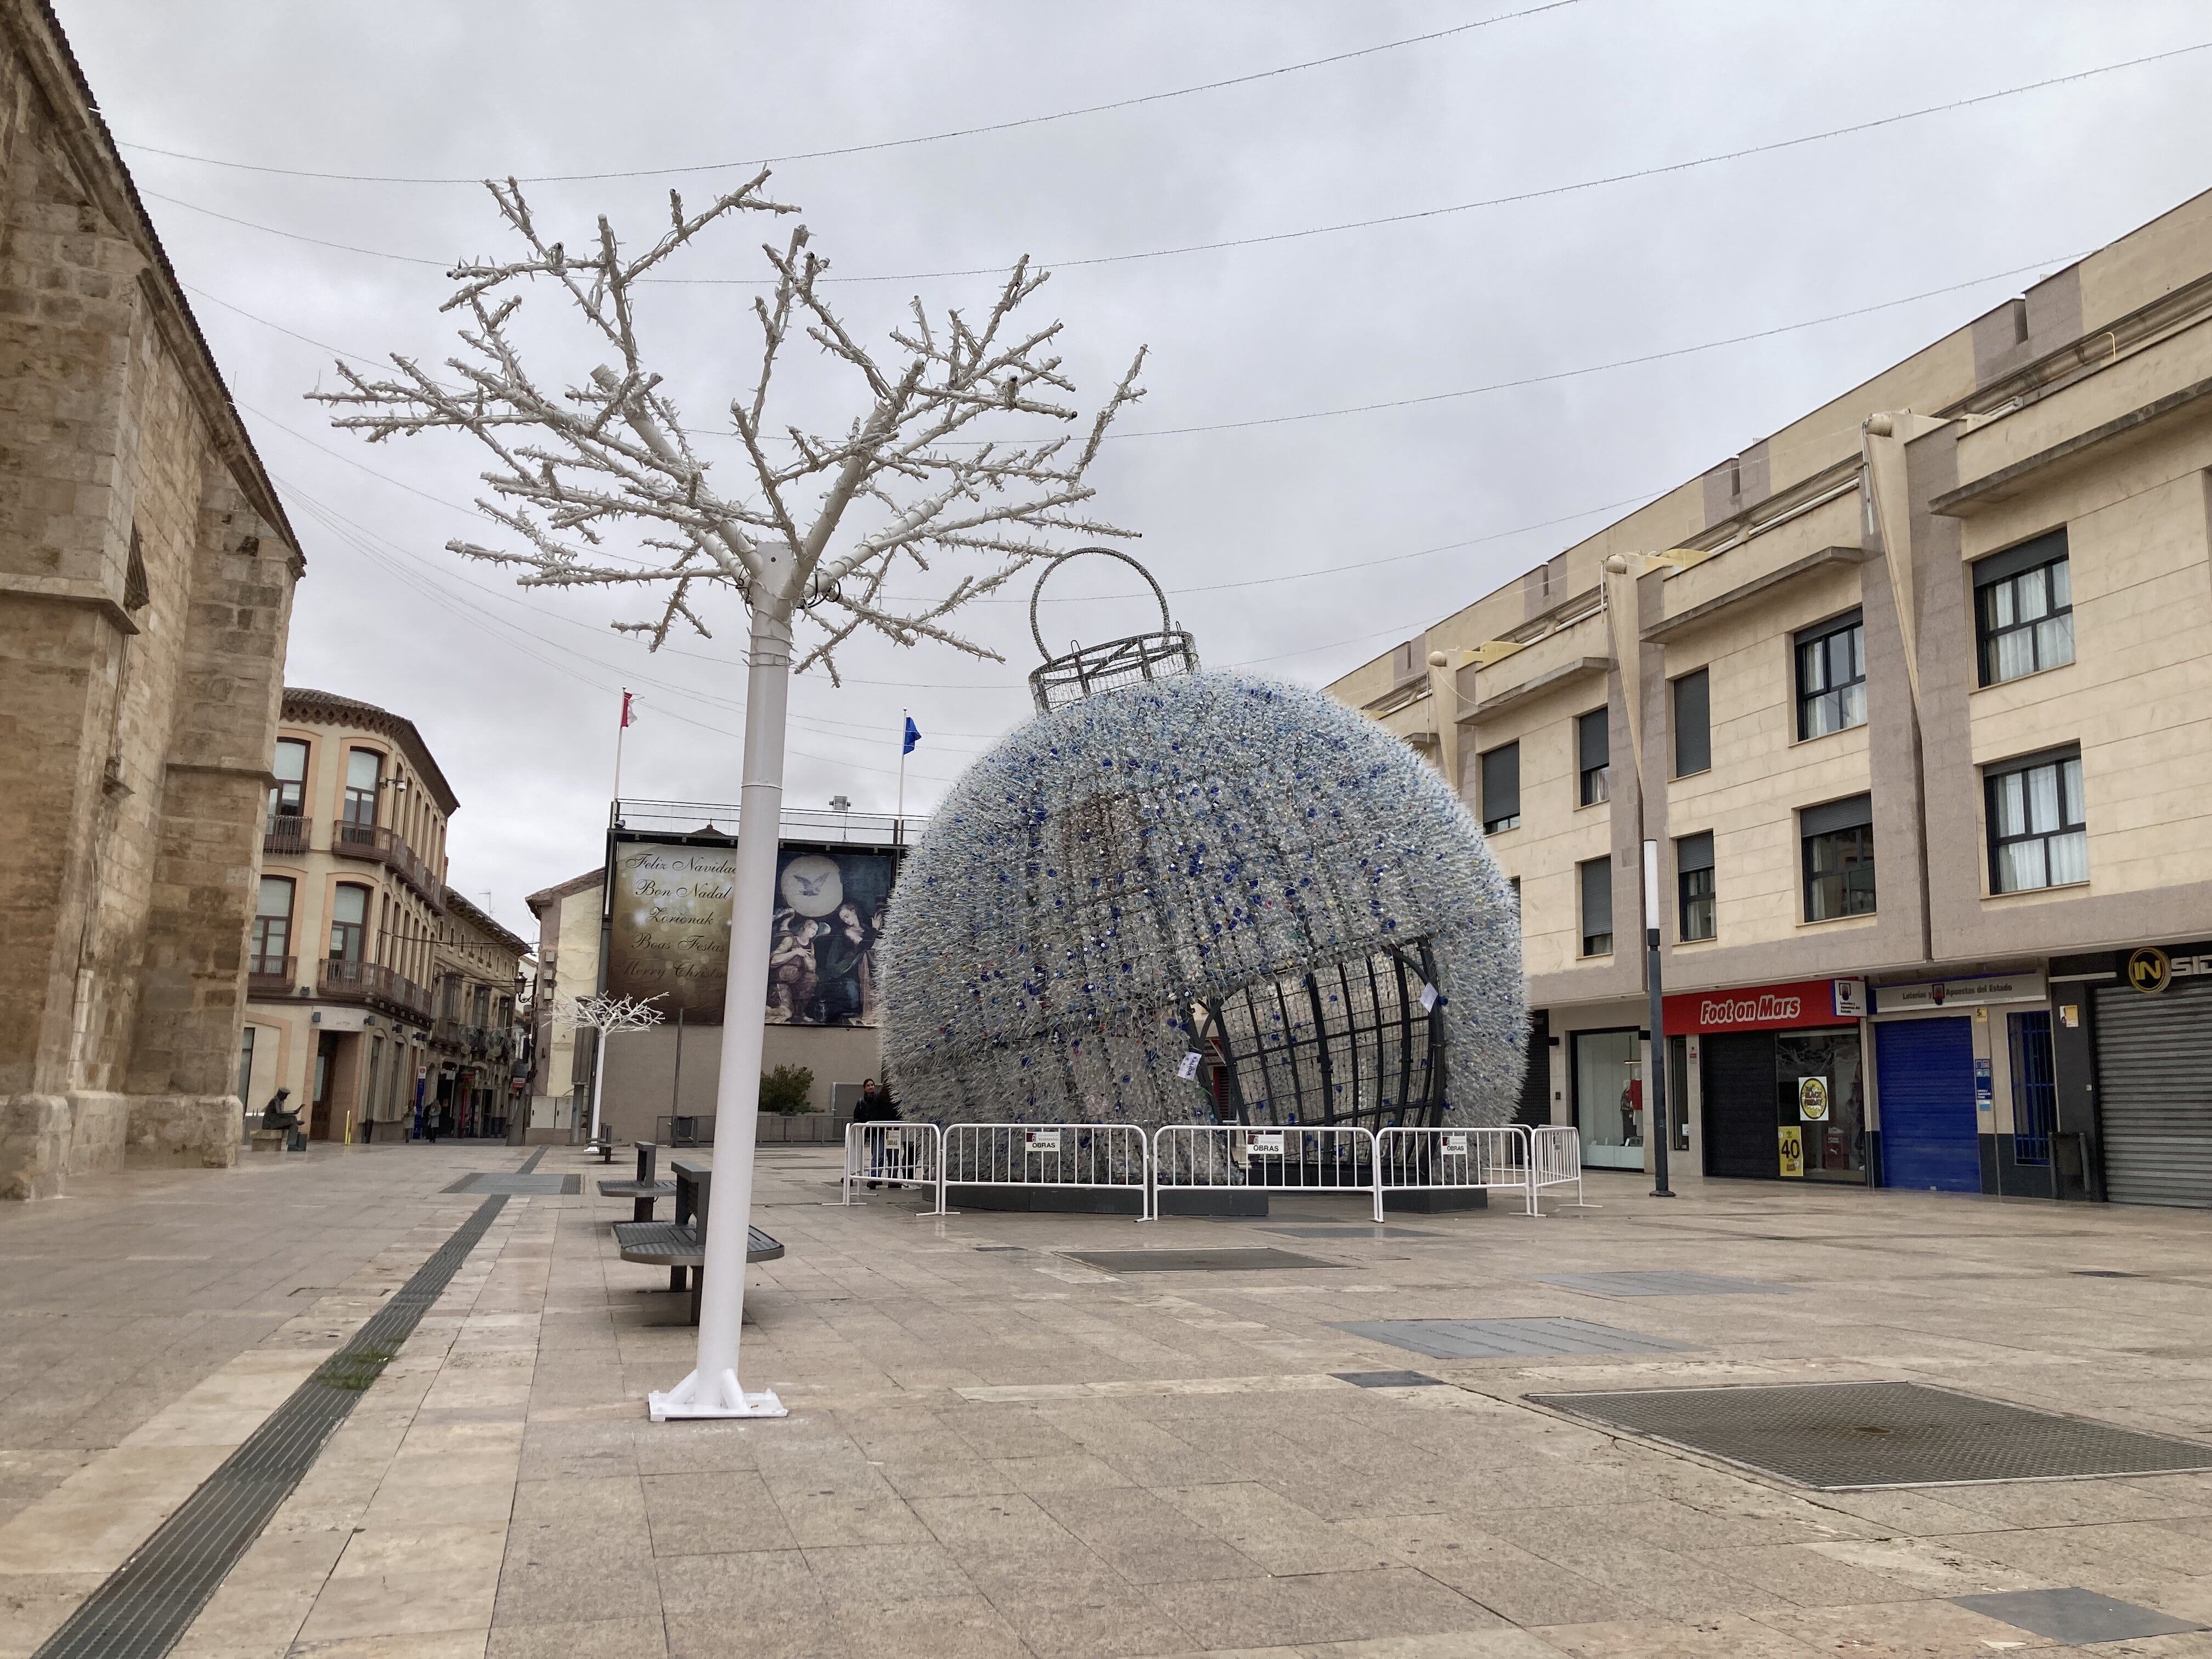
column 903, row 746
column 621, row 726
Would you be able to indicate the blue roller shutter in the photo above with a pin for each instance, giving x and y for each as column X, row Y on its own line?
column 1926, row 1068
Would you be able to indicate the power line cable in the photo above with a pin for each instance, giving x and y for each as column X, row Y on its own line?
column 1307, row 232
column 883, row 144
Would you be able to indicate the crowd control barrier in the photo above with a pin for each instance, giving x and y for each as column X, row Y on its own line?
column 895, row 1155
column 1290, row 1159
column 1069, row 1156
column 1491, row 1160
column 1555, row 1159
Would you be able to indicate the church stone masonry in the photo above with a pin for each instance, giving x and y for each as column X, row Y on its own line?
column 146, row 579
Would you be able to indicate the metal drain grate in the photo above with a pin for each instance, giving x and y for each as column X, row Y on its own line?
column 1390, row 1379
column 520, row 1186
column 148, row 1602
column 1503, row 1339
column 1846, row 1436
column 1366, row 1231
column 1192, row 1262
column 1664, row 1282
column 2074, row 1616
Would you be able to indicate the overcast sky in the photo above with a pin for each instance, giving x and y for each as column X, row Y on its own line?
column 516, row 693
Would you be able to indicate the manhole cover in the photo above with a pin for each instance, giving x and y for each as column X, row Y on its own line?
column 1843, row 1437
column 1500, row 1338
column 1660, row 1283
column 520, row 1185
column 2075, row 1616
column 1191, row 1261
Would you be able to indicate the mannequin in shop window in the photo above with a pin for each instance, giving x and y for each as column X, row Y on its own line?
column 1631, row 1112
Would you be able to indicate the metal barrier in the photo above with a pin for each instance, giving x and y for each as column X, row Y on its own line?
column 1555, row 1159
column 895, row 1155
column 1292, row 1158
column 1458, row 1160
column 1113, row 1157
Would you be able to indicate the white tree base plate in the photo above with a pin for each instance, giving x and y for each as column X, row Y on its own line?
column 687, row 1399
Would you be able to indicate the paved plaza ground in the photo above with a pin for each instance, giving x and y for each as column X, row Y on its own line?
column 995, row 1450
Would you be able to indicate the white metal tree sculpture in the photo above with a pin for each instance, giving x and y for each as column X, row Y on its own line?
column 608, row 1017
column 821, row 523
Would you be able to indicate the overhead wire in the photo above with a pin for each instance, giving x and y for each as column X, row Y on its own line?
column 880, row 144
column 1306, row 233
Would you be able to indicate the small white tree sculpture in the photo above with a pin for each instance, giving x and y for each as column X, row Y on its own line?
column 605, row 1016
column 821, row 525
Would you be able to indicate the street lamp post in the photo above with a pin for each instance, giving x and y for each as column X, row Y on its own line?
column 1655, row 1085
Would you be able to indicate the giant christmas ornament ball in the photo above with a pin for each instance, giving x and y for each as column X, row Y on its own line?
column 1099, row 874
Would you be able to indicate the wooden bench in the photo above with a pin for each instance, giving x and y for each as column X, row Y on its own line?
column 680, row 1245
column 645, row 1190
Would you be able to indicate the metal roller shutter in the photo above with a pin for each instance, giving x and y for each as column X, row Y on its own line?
column 1739, row 1105
column 2155, row 1093
column 1928, row 1138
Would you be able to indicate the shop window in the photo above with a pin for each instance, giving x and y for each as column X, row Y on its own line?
column 2034, row 1087
column 1693, row 882
column 2024, row 610
column 1693, row 725
column 1594, row 756
column 1501, row 788
column 2038, row 833
column 364, row 769
column 1609, row 1097
column 288, row 799
column 349, row 923
column 272, row 927
column 1821, row 1097
column 1838, row 847
column 1597, row 882
column 1831, row 676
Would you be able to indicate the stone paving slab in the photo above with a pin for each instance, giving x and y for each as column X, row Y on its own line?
column 992, row 1451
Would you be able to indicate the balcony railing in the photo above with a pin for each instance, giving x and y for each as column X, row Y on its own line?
column 369, row 981
column 377, row 843
column 285, row 835
column 269, row 976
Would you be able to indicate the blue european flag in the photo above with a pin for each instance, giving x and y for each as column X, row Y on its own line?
column 913, row 736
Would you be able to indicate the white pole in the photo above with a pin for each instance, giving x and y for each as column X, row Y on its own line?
column 599, row 1072
column 711, row 1390
column 621, row 728
column 903, row 718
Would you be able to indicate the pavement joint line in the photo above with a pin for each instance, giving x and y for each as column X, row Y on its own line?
column 143, row 1609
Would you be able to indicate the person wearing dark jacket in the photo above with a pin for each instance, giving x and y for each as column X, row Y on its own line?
column 877, row 1106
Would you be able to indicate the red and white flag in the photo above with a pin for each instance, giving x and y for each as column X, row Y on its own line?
column 630, row 715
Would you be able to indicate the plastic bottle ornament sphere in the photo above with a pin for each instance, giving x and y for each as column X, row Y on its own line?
column 1198, row 896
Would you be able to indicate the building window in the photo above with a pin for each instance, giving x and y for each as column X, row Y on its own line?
column 1838, row 858
column 1694, row 887
column 2034, row 1087
column 1693, row 725
column 349, row 923
column 1501, row 788
column 1594, row 752
column 1514, row 882
column 1831, row 676
column 272, row 927
column 1597, row 906
column 2024, row 610
column 2037, row 834
column 288, row 799
column 364, row 769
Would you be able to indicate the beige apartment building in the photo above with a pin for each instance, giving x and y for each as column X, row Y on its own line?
column 372, row 984
column 1912, row 697
column 146, row 579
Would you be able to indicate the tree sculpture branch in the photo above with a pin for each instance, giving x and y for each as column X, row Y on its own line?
column 611, row 1015
column 600, row 484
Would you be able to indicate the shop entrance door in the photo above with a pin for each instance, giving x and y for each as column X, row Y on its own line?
column 1928, row 1139
column 1738, row 1074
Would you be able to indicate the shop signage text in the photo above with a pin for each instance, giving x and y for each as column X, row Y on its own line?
column 1958, row 992
column 1768, row 1007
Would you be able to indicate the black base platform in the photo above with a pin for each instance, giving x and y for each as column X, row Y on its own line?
column 1425, row 1200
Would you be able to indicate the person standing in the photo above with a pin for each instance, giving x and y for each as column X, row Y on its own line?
column 876, row 1107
